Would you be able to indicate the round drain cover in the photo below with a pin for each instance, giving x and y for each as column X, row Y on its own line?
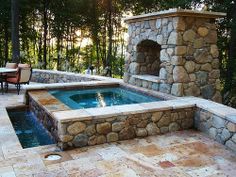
column 52, row 157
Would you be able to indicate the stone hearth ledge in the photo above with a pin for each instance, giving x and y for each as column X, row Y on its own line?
column 150, row 78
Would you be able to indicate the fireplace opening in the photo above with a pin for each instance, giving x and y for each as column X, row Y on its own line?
column 148, row 57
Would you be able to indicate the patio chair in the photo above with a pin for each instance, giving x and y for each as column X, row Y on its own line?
column 11, row 66
column 22, row 76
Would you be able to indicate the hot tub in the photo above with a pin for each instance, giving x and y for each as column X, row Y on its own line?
column 98, row 113
column 101, row 97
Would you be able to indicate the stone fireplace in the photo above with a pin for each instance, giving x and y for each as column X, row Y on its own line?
column 148, row 57
column 174, row 52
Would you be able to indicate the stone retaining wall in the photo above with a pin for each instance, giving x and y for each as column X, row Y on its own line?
column 123, row 127
column 49, row 76
column 217, row 127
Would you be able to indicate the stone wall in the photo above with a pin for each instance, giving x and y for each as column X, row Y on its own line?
column 123, row 127
column 217, row 127
column 189, row 64
column 85, row 127
column 49, row 76
column 44, row 117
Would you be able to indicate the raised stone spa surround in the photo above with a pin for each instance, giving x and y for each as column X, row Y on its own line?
column 174, row 52
column 92, row 126
column 83, row 127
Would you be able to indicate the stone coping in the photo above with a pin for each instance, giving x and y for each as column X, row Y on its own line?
column 103, row 113
column 68, row 85
column 64, row 114
column 10, row 142
column 150, row 78
column 221, row 110
column 48, row 102
column 175, row 12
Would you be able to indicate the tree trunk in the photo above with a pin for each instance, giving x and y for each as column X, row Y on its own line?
column 231, row 64
column 45, row 32
column 67, row 46
column 15, row 31
column 6, row 53
column 122, row 56
column 40, row 53
column 110, row 34
column 1, row 52
column 49, row 53
column 58, row 54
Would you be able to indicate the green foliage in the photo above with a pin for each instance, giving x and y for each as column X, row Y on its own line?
column 227, row 45
column 146, row 6
column 100, row 21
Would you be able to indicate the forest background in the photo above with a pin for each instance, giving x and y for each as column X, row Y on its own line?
column 71, row 35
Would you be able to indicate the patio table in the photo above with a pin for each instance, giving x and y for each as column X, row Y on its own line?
column 3, row 72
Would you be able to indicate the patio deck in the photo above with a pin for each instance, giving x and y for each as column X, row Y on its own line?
column 184, row 153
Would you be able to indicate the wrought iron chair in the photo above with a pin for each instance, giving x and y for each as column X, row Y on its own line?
column 1, row 81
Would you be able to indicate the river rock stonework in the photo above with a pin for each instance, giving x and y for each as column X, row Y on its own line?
column 123, row 127
column 218, row 127
column 177, row 47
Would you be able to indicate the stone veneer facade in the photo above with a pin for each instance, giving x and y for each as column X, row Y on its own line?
column 177, row 47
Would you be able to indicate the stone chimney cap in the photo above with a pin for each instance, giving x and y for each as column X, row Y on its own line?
column 175, row 12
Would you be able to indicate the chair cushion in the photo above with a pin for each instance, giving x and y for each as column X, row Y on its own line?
column 25, row 75
column 20, row 65
column 12, row 79
column 11, row 65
